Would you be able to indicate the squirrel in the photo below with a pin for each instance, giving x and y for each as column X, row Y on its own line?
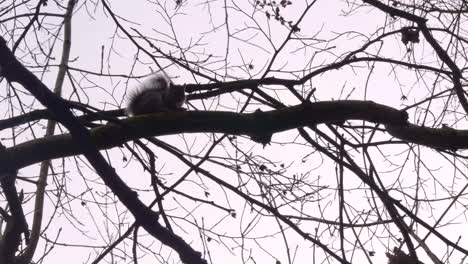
column 400, row 257
column 156, row 94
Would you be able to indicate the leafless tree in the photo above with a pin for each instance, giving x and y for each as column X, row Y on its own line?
column 314, row 131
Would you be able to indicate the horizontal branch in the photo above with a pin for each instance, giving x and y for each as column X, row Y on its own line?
column 439, row 138
column 115, row 134
column 270, row 122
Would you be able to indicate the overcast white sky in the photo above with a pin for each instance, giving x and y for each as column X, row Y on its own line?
column 200, row 22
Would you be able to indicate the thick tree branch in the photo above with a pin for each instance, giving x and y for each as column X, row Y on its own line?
column 16, row 221
column 14, row 71
column 113, row 134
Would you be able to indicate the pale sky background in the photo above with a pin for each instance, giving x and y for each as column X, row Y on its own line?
column 92, row 28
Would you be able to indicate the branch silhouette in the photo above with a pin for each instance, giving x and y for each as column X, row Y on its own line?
column 116, row 133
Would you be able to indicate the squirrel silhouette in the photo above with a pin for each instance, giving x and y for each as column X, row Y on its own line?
column 156, row 94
